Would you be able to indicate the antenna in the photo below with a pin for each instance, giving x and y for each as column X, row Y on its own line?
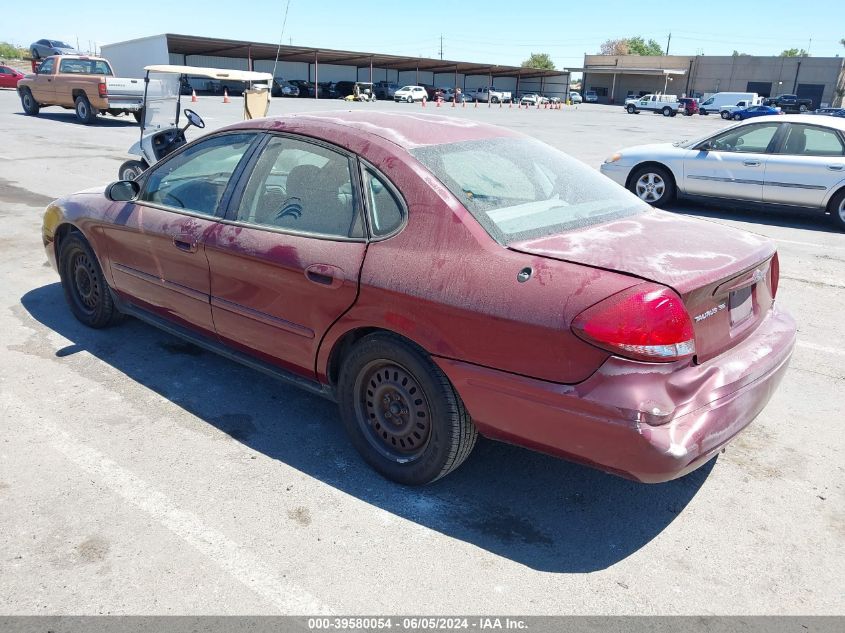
column 279, row 48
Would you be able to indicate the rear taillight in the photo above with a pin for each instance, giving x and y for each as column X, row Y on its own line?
column 646, row 322
column 101, row 87
column 774, row 275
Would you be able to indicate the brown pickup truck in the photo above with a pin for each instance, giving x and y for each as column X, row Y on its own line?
column 85, row 84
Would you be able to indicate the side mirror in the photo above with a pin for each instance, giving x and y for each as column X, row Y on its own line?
column 123, row 191
column 706, row 146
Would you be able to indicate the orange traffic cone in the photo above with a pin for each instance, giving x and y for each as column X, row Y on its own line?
column 226, row 95
column 193, row 96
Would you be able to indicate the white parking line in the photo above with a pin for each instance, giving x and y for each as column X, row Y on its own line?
column 821, row 348
column 241, row 563
column 819, row 246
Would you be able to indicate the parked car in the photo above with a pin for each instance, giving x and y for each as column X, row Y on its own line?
column 344, row 88
column 789, row 160
column 306, row 88
column 386, row 89
column 667, row 105
column 575, row 97
column 741, row 114
column 587, row 328
column 410, row 94
column 790, row 103
column 492, row 94
column 717, row 102
column 831, row 111
column 533, row 99
column 726, row 111
column 328, row 90
column 48, row 48
column 449, row 95
column 81, row 83
column 591, row 97
column 282, row 88
column 430, row 91
column 9, row 77
column 688, row 106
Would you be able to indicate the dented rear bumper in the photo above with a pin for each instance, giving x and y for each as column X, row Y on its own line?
column 648, row 421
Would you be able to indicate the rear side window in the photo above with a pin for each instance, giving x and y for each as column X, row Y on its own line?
column 806, row 140
column 386, row 210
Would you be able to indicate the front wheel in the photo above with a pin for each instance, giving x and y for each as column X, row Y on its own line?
column 631, row 109
column 802, row 108
column 84, row 112
column 30, row 105
column 494, row 100
column 86, row 290
column 653, row 184
column 401, row 412
column 737, row 117
column 131, row 169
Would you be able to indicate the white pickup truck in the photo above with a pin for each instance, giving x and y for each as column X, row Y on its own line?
column 667, row 105
column 726, row 112
column 492, row 95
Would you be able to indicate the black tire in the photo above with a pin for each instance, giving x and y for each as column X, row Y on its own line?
column 836, row 207
column 494, row 99
column 737, row 117
column 86, row 290
column 663, row 191
column 631, row 109
column 34, row 53
column 802, row 108
column 385, row 379
column 702, row 112
column 131, row 169
column 30, row 105
column 138, row 115
column 409, row 99
column 84, row 112
column 667, row 111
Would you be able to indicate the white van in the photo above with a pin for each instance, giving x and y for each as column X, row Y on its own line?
column 715, row 103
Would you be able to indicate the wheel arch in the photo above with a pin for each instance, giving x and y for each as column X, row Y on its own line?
column 78, row 92
column 651, row 163
column 834, row 191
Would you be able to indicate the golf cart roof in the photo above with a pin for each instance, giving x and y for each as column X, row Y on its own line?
column 213, row 73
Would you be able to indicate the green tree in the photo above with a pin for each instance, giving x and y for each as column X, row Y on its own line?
column 738, row 54
column 10, row 51
column 794, row 52
column 539, row 60
column 614, row 47
column 638, row 46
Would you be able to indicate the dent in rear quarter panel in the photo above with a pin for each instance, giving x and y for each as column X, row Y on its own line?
column 445, row 284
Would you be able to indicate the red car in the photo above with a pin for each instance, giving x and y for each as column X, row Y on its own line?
column 9, row 77
column 440, row 278
column 690, row 106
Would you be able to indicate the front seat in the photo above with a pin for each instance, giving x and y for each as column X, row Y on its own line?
column 796, row 142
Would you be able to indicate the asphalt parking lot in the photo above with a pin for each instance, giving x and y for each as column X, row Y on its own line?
column 141, row 475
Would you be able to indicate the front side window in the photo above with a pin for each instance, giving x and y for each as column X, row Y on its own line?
column 745, row 139
column 520, row 188
column 195, row 179
column 806, row 140
column 302, row 187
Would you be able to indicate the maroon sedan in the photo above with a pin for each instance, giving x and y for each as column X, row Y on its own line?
column 440, row 278
column 9, row 77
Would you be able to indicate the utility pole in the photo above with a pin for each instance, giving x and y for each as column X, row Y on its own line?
column 441, row 46
column 809, row 46
column 667, row 43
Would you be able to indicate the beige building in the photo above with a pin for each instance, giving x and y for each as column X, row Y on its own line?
column 821, row 79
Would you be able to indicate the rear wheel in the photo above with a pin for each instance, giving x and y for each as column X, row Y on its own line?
column 139, row 115
column 84, row 112
column 131, row 169
column 85, row 288
column 802, row 108
column 401, row 412
column 653, row 185
column 30, row 105
column 837, row 209
column 494, row 99
column 726, row 115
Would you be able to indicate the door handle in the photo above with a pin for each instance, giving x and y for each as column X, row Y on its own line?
column 325, row 275
column 752, row 163
column 836, row 167
column 185, row 243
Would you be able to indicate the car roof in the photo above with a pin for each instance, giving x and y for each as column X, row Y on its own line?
column 822, row 121
column 408, row 131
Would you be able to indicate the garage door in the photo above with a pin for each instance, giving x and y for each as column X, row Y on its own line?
column 762, row 88
column 811, row 91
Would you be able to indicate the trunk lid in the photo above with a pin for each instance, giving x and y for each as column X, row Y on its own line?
column 725, row 277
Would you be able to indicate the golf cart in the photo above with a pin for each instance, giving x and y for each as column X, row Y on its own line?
column 362, row 91
column 161, row 133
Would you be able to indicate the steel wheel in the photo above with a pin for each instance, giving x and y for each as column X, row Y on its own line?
column 393, row 411
column 85, row 285
column 650, row 187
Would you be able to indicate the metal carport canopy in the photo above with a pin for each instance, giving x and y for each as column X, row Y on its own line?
column 194, row 45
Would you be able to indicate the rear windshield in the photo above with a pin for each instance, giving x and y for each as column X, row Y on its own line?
column 85, row 67
column 520, row 188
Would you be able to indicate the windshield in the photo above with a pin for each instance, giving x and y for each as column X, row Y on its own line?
column 161, row 108
column 520, row 188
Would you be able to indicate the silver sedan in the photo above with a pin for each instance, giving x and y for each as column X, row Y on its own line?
column 789, row 160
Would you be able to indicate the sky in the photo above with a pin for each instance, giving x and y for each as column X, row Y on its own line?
column 490, row 31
